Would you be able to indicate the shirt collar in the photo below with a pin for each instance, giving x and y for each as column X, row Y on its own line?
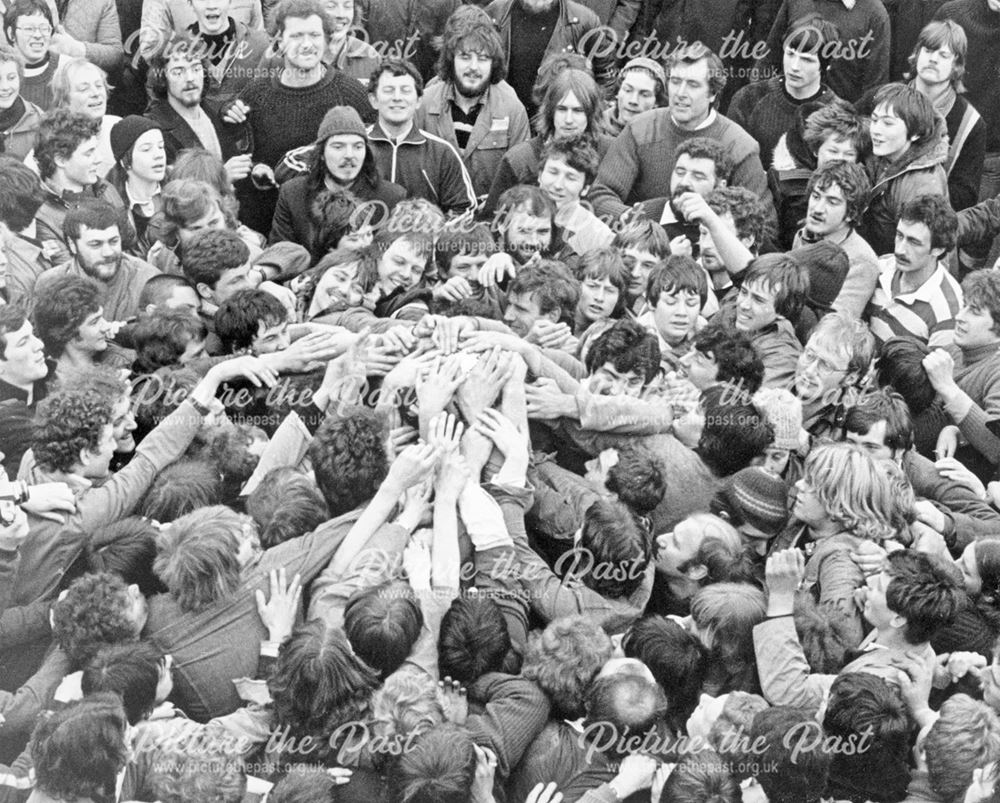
column 712, row 115
column 928, row 291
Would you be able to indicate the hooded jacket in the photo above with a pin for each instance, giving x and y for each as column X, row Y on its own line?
column 920, row 171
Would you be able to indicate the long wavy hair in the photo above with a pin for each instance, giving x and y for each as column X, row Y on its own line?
column 869, row 498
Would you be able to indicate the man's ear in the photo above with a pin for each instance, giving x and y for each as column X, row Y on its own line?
column 698, row 572
column 938, row 253
column 204, row 291
column 897, row 622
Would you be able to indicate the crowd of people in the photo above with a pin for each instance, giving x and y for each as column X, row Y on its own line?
column 533, row 402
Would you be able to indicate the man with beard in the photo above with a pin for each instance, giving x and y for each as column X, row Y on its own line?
column 93, row 234
column 176, row 84
column 284, row 110
column 472, row 107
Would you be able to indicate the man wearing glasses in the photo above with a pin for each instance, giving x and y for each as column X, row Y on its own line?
column 28, row 27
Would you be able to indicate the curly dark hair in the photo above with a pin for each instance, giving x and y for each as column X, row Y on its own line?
column 211, row 253
column 628, row 346
column 60, row 133
column 471, row 27
column 92, row 615
column 78, row 751
column 67, row 423
column 349, row 459
column 60, row 311
column 238, row 319
column 744, row 207
column 937, row 215
column 318, row 685
column 639, row 478
column 853, row 182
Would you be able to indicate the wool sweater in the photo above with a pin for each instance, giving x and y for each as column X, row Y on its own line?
column 37, row 89
column 638, row 164
column 95, row 23
column 766, row 111
column 864, row 42
column 977, row 373
column 284, row 117
column 982, row 66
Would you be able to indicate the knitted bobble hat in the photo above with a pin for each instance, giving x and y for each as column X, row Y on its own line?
column 760, row 498
column 341, row 120
column 784, row 411
column 126, row 131
column 647, row 64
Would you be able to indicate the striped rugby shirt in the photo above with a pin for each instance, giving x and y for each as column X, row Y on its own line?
column 927, row 314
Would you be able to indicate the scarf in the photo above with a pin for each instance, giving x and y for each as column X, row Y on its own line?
column 944, row 102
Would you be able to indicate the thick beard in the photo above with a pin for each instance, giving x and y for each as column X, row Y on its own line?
column 466, row 93
column 89, row 270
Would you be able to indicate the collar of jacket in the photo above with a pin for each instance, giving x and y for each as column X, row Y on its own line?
column 67, row 197
column 413, row 137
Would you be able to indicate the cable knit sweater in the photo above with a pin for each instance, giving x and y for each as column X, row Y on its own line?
column 982, row 67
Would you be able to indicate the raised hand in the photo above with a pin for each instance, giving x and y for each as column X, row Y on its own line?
column 436, row 389
column 445, row 433
column 413, row 465
column 502, row 431
column 279, row 611
column 483, row 384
